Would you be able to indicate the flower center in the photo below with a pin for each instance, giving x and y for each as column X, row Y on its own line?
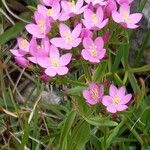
column 68, row 38
column 126, row 17
column 24, row 43
column 94, row 19
column 41, row 24
column 116, row 100
column 50, row 12
column 93, row 51
column 54, row 62
column 94, row 94
column 71, row 4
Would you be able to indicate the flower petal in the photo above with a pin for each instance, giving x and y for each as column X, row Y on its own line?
column 117, row 17
column 54, row 52
column 58, row 42
column 135, row 18
column 63, row 29
column 43, row 62
column 77, row 30
column 121, row 107
column 99, row 42
column 121, row 92
column 111, row 108
column 112, row 90
column 126, row 99
column 65, row 59
column 107, row 100
column 62, row 70
column 50, row 72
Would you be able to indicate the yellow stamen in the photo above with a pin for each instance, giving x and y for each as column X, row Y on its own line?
column 68, row 38
column 126, row 17
column 116, row 100
column 40, row 22
column 24, row 43
column 50, row 12
column 72, row 3
column 94, row 93
column 93, row 51
column 94, row 19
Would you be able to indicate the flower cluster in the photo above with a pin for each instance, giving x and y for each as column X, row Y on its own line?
column 116, row 100
column 90, row 16
column 61, row 26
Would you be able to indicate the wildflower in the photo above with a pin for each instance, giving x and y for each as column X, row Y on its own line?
column 94, row 50
column 94, row 94
column 71, row 8
column 116, row 100
column 97, row 2
column 52, row 12
column 94, row 21
column 38, row 50
column 42, row 26
column 54, row 63
column 68, row 39
column 126, row 19
column 23, row 47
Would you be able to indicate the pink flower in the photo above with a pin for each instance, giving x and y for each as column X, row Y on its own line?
column 94, row 94
column 68, row 39
column 94, row 50
column 21, row 52
column 70, row 9
column 116, row 100
column 97, row 2
column 55, row 64
column 126, row 19
column 49, row 2
column 52, row 12
column 23, row 47
column 93, row 20
column 38, row 50
column 124, row 1
column 42, row 26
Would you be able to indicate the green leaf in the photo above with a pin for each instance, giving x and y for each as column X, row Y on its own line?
column 99, row 72
column 75, row 91
column 80, row 136
column 145, row 117
column 114, row 133
column 12, row 32
column 145, row 68
column 97, row 121
column 66, row 129
column 118, row 58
